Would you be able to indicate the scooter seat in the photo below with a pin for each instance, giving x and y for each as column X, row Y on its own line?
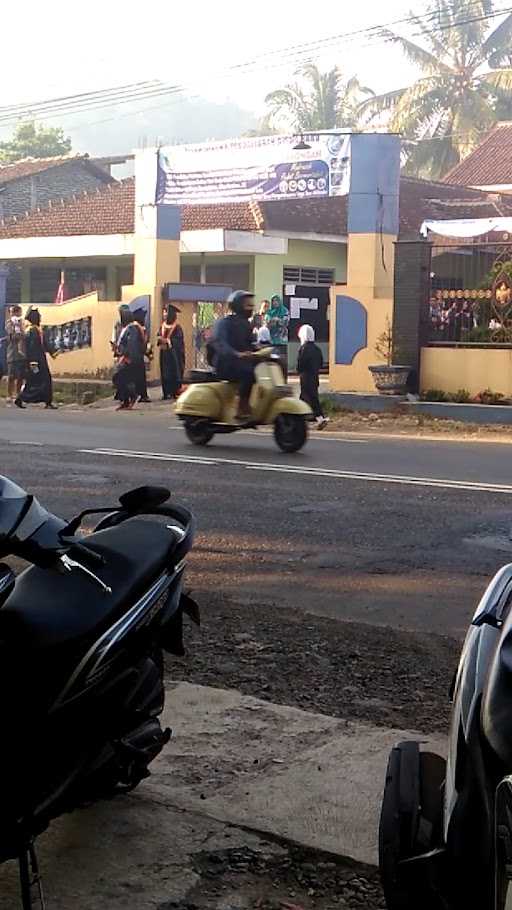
column 49, row 609
column 196, row 376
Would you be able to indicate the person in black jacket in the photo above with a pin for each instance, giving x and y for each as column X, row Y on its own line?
column 171, row 342
column 38, row 385
column 131, row 348
column 309, row 364
column 233, row 352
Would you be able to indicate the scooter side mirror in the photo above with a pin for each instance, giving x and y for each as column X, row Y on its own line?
column 144, row 498
column 7, row 582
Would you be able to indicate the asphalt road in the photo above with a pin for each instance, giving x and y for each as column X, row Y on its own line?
column 333, row 581
column 386, row 531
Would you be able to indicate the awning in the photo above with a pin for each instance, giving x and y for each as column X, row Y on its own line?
column 467, row 227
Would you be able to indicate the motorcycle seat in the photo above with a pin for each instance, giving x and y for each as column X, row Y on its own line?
column 49, row 609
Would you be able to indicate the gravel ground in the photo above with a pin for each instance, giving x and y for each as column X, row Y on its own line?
column 297, row 879
column 349, row 670
column 400, row 424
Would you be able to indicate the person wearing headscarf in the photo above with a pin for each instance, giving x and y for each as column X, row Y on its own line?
column 38, row 386
column 309, row 364
column 277, row 319
column 171, row 342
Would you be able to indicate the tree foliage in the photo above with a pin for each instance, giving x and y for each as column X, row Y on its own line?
column 465, row 84
column 317, row 101
column 32, row 141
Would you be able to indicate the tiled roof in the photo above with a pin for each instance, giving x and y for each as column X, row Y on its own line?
column 30, row 166
column 325, row 215
column 232, row 216
column 108, row 210
column 490, row 164
column 111, row 210
column 422, row 200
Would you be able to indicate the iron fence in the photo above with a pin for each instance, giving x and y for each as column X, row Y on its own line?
column 470, row 299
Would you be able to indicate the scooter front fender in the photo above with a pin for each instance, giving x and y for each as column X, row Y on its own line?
column 201, row 400
column 289, row 406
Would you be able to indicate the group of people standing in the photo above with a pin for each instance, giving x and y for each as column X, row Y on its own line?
column 132, row 349
column 29, row 379
column 271, row 326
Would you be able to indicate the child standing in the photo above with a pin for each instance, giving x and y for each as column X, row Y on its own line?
column 309, row 364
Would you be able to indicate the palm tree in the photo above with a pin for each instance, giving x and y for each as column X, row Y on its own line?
column 320, row 101
column 465, row 86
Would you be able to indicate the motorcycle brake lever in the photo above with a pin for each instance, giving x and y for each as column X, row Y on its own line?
column 83, row 548
column 69, row 564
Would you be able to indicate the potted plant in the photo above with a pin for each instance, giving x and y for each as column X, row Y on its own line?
column 389, row 378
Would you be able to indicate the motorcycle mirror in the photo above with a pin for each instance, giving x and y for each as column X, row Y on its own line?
column 7, row 582
column 144, row 498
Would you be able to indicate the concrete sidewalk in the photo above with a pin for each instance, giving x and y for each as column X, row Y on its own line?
column 236, row 769
column 314, row 779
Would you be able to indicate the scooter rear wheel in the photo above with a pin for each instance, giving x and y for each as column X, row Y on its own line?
column 290, row 432
column 199, row 431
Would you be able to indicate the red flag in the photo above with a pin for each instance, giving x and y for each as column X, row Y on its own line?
column 61, row 290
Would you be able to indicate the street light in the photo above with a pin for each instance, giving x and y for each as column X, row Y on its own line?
column 303, row 146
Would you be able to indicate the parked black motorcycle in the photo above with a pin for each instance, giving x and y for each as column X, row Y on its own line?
column 446, row 826
column 82, row 633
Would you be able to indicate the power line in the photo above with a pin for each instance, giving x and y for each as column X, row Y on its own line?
column 160, row 106
column 146, row 90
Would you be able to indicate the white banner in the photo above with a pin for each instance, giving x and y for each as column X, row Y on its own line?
column 467, row 227
column 258, row 169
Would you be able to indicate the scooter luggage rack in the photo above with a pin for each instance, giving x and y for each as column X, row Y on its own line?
column 30, row 879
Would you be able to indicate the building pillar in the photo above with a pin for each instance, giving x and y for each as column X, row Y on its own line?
column 202, row 269
column 157, row 245
column 360, row 312
column 411, row 309
column 4, row 272
column 25, row 283
column 111, row 282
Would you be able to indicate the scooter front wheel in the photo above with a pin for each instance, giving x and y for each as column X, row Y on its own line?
column 199, row 431
column 290, row 432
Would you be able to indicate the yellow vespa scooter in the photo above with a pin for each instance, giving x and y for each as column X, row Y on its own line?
column 209, row 405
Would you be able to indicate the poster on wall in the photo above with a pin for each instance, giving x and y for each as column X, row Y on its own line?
column 260, row 169
column 70, row 336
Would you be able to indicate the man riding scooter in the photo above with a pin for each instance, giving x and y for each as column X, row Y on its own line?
column 247, row 388
column 232, row 344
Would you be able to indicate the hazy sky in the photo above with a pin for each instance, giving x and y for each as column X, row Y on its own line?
column 62, row 50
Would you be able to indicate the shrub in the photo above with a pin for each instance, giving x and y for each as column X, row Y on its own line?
column 489, row 397
column 462, row 396
column 434, row 395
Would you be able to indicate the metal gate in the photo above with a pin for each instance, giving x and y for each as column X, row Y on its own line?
column 471, row 294
column 205, row 317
